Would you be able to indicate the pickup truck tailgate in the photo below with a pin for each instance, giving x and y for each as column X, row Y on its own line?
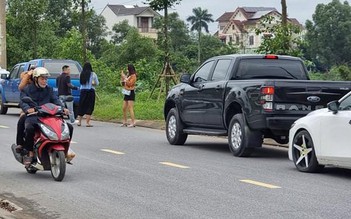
column 305, row 95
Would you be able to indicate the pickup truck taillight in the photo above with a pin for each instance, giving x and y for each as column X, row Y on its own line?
column 267, row 94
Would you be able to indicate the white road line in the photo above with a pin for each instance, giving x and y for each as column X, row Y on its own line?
column 4, row 127
column 74, row 142
column 174, row 165
column 112, row 151
column 269, row 186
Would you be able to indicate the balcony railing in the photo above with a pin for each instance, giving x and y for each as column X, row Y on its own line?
column 147, row 30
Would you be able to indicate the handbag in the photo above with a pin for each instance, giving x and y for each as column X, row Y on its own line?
column 125, row 92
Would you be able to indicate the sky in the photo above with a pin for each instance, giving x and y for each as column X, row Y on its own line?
column 302, row 10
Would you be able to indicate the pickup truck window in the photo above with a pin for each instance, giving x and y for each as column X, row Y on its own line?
column 221, row 70
column 203, row 73
column 14, row 72
column 55, row 68
column 271, row 68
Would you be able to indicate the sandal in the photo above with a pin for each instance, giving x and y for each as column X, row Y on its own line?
column 124, row 125
column 19, row 149
column 27, row 161
column 89, row 125
column 131, row 126
column 79, row 124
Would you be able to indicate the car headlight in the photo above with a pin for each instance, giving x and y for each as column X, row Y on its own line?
column 65, row 132
column 48, row 132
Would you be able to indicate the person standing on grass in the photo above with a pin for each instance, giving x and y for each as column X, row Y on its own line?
column 63, row 83
column 128, row 82
column 88, row 81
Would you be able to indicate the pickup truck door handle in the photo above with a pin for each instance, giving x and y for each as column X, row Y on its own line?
column 218, row 87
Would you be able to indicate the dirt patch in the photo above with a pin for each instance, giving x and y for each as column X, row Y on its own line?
column 7, row 206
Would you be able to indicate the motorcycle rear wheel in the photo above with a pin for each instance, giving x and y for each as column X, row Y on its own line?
column 58, row 165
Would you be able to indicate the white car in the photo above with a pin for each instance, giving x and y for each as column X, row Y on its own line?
column 3, row 71
column 323, row 137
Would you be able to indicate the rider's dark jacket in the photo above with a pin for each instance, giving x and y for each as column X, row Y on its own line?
column 39, row 95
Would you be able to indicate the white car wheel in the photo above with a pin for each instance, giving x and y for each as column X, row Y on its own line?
column 303, row 153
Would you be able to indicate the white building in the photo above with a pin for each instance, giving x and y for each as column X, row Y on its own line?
column 238, row 27
column 140, row 17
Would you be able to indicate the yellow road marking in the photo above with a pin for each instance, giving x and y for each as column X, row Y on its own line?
column 260, row 184
column 112, row 151
column 4, row 127
column 174, row 165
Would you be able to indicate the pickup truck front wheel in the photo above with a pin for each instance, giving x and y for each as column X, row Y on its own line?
column 174, row 128
column 241, row 139
column 3, row 108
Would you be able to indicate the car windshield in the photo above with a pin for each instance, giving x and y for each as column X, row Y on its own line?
column 271, row 68
column 55, row 68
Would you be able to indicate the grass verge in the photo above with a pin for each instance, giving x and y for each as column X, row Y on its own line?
column 108, row 107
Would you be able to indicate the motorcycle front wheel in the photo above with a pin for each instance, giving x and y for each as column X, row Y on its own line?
column 58, row 165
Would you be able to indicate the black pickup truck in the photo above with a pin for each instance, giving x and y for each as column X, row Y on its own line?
column 247, row 98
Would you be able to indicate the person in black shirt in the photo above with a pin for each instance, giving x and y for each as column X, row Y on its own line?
column 63, row 83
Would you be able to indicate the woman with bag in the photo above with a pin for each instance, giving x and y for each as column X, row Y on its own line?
column 88, row 81
column 128, row 82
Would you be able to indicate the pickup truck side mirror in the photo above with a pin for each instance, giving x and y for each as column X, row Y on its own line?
column 334, row 106
column 185, row 78
column 4, row 76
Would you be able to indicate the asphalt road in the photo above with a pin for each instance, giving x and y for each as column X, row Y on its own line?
column 134, row 173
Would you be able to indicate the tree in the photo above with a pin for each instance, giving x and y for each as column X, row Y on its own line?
column 136, row 47
column 279, row 39
column 30, row 35
column 120, row 30
column 177, row 31
column 198, row 21
column 96, row 32
column 167, row 71
column 60, row 13
column 328, row 35
column 82, row 6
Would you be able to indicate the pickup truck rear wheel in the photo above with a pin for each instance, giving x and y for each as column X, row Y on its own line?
column 241, row 139
column 174, row 128
column 3, row 108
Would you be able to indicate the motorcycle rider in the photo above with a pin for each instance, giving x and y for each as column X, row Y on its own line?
column 40, row 93
column 26, row 78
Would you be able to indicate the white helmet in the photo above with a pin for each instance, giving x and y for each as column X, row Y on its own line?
column 40, row 71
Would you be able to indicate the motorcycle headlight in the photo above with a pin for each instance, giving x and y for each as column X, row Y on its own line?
column 48, row 132
column 65, row 132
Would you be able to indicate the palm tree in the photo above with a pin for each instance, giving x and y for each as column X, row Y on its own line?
column 199, row 20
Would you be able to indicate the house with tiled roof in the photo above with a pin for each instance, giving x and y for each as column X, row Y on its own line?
column 238, row 27
column 140, row 17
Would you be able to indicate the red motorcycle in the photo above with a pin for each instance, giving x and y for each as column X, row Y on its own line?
column 52, row 141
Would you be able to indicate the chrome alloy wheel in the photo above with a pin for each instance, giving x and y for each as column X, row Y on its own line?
column 303, row 152
column 236, row 135
column 172, row 126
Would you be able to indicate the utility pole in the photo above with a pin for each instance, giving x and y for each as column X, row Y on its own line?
column 3, row 59
column 84, row 31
